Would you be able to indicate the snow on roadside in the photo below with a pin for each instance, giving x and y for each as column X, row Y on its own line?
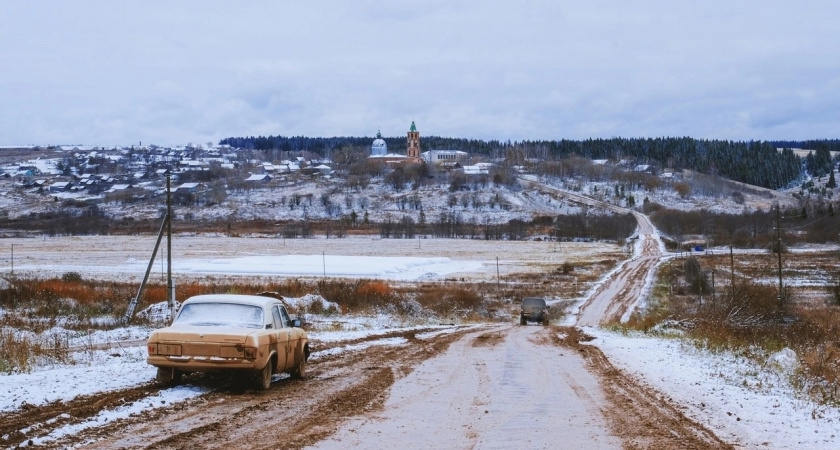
column 740, row 400
column 60, row 383
column 641, row 302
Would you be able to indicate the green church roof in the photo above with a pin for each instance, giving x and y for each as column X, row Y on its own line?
column 413, row 127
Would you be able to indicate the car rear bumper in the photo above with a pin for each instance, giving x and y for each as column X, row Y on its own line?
column 530, row 318
column 201, row 363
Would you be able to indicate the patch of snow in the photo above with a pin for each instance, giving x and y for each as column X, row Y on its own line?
column 744, row 402
column 785, row 359
column 103, row 371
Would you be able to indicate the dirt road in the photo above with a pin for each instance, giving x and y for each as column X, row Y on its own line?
column 619, row 294
column 508, row 387
column 522, row 387
column 502, row 386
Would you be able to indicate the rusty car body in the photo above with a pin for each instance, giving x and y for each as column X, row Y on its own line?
column 250, row 334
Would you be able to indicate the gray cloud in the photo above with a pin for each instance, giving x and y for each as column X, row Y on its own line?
column 175, row 72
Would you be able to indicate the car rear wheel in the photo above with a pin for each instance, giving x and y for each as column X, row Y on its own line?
column 263, row 377
column 299, row 371
column 168, row 376
column 522, row 320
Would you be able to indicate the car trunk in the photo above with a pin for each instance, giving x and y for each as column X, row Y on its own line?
column 203, row 341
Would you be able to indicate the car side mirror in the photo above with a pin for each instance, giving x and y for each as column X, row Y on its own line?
column 296, row 323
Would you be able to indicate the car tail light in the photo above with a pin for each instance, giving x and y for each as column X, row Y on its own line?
column 153, row 350
column 250, row 353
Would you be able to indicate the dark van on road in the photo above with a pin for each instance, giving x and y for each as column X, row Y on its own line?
column 534, row 309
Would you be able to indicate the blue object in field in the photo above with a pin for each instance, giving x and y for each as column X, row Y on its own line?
column 698, row 248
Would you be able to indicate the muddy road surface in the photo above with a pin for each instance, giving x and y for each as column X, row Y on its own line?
column 344, row 379
column 619, row 294
column 522, row 387
column 496, row 386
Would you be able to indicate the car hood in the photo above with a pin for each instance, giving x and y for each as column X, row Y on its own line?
column 192, row 333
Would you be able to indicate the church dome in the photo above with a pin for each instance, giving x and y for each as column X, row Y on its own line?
column 379, row 147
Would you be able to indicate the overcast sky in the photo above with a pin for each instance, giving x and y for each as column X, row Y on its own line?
column 174, row 72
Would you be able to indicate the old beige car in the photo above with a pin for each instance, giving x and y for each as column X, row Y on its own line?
column 245, row 333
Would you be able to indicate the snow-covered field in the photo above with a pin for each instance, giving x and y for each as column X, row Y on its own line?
column 126, row 257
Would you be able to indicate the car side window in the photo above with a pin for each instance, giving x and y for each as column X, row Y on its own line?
column 278, row 318
column 286, row 321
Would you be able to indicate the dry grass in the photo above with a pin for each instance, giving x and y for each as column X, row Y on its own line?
column 19, row 350
column 750, row 317
column 16, row 352
column 77, row 304
column 443, row 300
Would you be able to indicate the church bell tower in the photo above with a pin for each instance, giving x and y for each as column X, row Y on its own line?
column 413, row 142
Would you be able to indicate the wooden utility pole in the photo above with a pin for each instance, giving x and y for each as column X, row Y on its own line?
column 498, row 276
column 779, row 250
column 732, row 272
column 714, row 296
column 170, row 288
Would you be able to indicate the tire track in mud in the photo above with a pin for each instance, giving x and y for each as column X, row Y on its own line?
column 637, row 414
column 620, row 294
column 32, row 421
column 291, row 414
column 18, row 427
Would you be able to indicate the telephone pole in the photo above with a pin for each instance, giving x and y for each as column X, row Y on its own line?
column 732, row 272
column 779, row 250
column 170, row 288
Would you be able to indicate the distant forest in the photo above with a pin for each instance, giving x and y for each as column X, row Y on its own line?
column 753, row 162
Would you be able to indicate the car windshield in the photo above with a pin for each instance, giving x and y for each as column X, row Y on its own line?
column 221, row 314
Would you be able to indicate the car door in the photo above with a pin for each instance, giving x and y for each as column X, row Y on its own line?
column 282, row 332
column 292, row 336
